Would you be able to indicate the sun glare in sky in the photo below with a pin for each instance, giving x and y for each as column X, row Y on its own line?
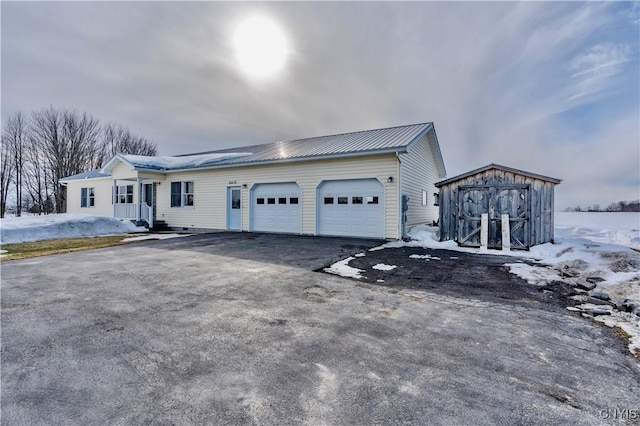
column 260, row 47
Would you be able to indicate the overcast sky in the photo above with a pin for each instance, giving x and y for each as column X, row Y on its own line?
column 547, row 87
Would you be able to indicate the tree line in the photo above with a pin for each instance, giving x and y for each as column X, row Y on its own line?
column 38, row 149
column 619, row 206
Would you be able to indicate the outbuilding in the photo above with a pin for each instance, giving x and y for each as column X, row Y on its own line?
column 527, row 198
column 372, row 183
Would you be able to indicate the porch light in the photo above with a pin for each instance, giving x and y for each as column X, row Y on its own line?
column 390, row 179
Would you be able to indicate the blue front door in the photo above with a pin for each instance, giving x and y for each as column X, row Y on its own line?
column 234, row 208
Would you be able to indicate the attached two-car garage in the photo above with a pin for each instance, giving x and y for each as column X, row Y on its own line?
column 352, row 207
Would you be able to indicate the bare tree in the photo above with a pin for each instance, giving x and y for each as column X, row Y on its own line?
column 14, row 135
column 68, row 140
column 6, row 173
column 117, row 139
column 54, row 143
column 37, row 184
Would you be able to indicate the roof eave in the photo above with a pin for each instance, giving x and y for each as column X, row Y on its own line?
column 65, row 180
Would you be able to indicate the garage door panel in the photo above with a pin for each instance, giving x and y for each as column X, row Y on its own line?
column 356, row 210
column 276, row 207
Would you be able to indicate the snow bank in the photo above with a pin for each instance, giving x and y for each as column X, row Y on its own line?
column 67, row 225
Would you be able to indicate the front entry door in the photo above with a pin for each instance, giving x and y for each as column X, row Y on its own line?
column 234, row 208
column 147, row 194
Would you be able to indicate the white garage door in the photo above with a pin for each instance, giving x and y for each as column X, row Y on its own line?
column 351, row 208
column 276, row 207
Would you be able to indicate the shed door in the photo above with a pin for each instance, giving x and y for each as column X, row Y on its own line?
column 276, row 207
column 353, row 208
column 475, row 200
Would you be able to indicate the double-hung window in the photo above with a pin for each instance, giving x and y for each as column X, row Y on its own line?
column 87, row 197
column 124, row 194
column 181, row 194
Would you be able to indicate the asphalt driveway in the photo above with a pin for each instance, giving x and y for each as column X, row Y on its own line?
column 238, row 329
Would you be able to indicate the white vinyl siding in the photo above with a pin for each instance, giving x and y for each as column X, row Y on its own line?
column 419, row 173
column 102, row 188
column 210, row 190
column 123, row 171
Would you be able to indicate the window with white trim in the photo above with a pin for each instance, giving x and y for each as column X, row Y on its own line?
column 87, row 197
column 182, row 194
column 124, row 194
column 424, row 197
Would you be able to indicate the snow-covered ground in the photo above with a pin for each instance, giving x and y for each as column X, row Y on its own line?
column 592, row 251
column 66, row 225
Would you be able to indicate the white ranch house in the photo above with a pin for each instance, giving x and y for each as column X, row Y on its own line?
column 349, row 184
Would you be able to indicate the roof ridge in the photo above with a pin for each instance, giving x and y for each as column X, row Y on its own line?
column 304, row 139
column 350, row 133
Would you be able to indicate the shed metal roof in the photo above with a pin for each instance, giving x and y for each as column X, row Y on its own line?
column 499, row 167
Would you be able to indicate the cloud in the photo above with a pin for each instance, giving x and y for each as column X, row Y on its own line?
column 593, row 68
column 539, row 86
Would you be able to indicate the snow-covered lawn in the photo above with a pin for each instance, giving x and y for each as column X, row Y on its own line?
column 592, row 251
column 67, row 225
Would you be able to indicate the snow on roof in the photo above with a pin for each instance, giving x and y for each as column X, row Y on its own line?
column 93, row 174
column 182, row 162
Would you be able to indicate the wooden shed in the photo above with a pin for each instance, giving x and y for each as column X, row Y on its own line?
column 497, row 190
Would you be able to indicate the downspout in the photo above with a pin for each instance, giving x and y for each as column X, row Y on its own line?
column 114, row 196
column 401, row 225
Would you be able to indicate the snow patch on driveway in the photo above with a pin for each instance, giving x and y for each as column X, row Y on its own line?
column 384, row 267
column 424, row 256
column 343, row 269
column 154, row 237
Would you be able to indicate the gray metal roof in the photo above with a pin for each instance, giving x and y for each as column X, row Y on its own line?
column 499, row 167
column 366, row 142
column 391, row 139
column 93, row 174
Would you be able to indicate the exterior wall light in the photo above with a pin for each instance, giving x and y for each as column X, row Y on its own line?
column 390, row 179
